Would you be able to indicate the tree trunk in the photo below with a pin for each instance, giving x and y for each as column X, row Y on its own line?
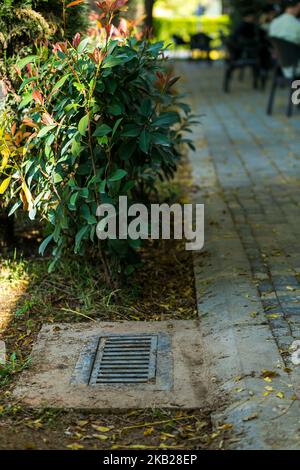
column 7, row 227
column 149, row 13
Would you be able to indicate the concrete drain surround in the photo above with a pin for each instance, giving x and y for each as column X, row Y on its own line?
column 115, row 365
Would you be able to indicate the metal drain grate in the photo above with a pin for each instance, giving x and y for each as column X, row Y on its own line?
column 125, row 360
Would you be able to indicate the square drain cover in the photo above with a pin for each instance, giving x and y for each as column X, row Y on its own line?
column 142, row 360
column 125, row 360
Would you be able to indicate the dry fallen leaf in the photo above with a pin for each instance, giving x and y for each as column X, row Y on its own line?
column 101, row 437
column 225, row 426
column 269, row 373
column 75, row 446
column 148, row 432
column 101, row 428
column 251, row 417
column 81, row 423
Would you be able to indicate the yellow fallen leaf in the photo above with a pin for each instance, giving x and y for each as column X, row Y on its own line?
column 225, row 426
column 166, row 435
column 81, row 423
column 268, row 379
column 280, row 395
column 75, row 446
column 273, row 315
column 101, row 428
column 270, row 389
column 148, row 432
column 101, row 437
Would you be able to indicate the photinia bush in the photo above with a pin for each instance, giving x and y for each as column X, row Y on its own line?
column 93, row 123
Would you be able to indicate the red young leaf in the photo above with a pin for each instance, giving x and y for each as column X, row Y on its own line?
column 76, row 2
column 76, row 40
column 38, row 97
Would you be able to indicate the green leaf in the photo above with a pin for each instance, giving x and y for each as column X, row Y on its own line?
column 73, row 200
column 111, row 61
column 27, row 99
column 14, row 208
column 83, row 45
column 102, row 140
column 160, row 139
column 102, row 186
column 102, row 130
column 166, row 119
column 91, row 220
column 127, row 149
column 75, row 148
column 146, row 107
column 145, row 140
column 25, row 61
column 85, row 211
column 84, row 192
column 83, row 124
column 44, row 245
column 115, row 109
column 131, row 130
column 60, row 83
column 117, row 175
column 79, row 236
column 25, row 82
column 45, row 130
column 57, row 178
column 116, row 126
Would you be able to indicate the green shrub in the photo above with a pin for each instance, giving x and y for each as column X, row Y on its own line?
column 93, row 124
column 165, row 27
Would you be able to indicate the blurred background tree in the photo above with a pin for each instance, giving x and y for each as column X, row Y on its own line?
column 56, row 13
column 20, row 25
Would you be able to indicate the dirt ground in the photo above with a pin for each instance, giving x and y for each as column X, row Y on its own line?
column 162, row 289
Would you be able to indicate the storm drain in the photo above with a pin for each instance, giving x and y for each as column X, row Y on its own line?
column 125, row 360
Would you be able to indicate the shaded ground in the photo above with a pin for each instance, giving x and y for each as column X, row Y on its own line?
column 52, row 429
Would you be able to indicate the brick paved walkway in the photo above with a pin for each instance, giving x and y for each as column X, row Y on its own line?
column 257, row 162
column 247, row 167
